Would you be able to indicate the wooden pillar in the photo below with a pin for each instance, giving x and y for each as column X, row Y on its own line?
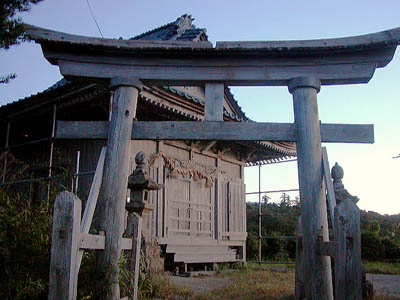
column 348, row 268
column 64, row 247
column 317, row 272
column 135, row 254
column 114, row 184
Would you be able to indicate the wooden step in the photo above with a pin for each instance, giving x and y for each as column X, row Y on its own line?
column 188, row 242
column 205, row 258
column 180, row 249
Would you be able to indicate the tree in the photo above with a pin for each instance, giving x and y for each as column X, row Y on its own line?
column 11, row 26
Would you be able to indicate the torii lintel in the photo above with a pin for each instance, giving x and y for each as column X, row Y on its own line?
column 270, row 63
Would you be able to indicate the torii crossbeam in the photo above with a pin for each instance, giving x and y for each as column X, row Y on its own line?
column 303, row 66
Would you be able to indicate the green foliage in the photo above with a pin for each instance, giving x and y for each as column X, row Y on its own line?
column 371, row 246
column 7, row 78
column 380, row 234
column 25, row 231
column 279, row 219
column 11, row 26
column 24, row 247
column 392, row 268
column 25, row 228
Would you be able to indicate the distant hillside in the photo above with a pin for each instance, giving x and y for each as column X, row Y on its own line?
column 380, row 233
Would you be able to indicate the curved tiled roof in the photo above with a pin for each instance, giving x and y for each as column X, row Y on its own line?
column 181, row 30
column 195, row 99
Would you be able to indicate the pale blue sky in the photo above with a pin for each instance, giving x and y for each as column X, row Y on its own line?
column 370, row 171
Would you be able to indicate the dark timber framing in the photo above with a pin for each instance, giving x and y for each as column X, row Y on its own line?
column 303, row 66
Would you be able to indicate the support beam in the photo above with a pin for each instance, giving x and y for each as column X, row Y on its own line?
column 330, row 193
column 193, row 75
column 91, row 202
column 209, row 131
column 114, row 184
column 214, row 107
column 317, row 268
column 209, row 146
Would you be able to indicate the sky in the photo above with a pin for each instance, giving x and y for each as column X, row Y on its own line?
column 370, row 171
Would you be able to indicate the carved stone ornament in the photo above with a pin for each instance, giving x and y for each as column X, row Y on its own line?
column 140, row 179
column 341, row 193
column 140, row 183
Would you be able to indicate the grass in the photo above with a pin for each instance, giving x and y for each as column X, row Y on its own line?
column 272, row 282
column 256, row 282
column 382, row 267
column 248, row 283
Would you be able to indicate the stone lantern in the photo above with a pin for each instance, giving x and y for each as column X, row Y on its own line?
column 140, row 183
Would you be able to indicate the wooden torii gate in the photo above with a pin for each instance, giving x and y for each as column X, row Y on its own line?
column 302, row 66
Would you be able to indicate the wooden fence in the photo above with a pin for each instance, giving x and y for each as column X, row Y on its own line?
column 70, row 238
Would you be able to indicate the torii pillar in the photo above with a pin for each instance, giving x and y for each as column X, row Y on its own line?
column 112, row 196
column 318, row 275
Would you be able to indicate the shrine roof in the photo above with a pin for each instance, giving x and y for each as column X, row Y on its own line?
column 180, row 30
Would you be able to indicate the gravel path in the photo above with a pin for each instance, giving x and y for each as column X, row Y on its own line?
column 388, row 285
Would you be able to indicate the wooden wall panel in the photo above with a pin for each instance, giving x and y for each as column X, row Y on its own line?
column 204, row 160
column 232, row 209
column 175, row 152
column 231, row 169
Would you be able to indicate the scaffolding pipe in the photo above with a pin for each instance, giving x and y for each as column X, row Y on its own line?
column 75, row 179
column 259, row 214
column 53, row 133
column 43, row 178
column 6, row 146
column 274, row 191
column 110, row 106
column 29, row 143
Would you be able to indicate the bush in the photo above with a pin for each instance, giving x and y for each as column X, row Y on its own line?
column 371, row 246
column 24, row 247
column 25, row 231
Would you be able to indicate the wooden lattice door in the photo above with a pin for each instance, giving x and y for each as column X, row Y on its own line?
column 189, row 209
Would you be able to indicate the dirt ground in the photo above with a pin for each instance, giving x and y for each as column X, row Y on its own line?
column 200, row 285
column 388, row 285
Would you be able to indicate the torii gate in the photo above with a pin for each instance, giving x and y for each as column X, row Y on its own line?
column 303, row 66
